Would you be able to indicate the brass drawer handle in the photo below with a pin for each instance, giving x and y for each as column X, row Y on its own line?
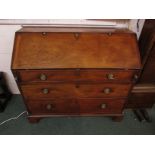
column 110, row 76
column 103, row 106
column 45, row 91
column 43, row 77
column 135, row 77
column 107, row 90
column 48, row 106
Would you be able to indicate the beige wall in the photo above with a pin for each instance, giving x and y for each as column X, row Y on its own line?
column 9, row 27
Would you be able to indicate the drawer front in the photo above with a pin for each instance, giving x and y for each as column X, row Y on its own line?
column 53, row 106
column 76, row 75
column 74, row 90
column 46, row 75
column 76, row 106
column 101, row 106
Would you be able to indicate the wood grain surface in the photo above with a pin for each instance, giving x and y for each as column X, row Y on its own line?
column 75, row 50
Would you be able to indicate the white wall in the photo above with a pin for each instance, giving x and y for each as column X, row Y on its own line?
column 136, row 25
column 9, row 27
column 6, row 45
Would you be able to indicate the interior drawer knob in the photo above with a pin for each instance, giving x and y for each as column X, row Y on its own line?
column 103, row 106
column 76, row 35
column 107, row 90
column 45, row 91
column 110, row 76
column 43, row 77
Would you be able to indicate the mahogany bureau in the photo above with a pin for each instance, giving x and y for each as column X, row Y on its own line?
column 75, row 71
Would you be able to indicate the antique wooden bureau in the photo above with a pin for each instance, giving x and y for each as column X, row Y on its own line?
column 75, row 71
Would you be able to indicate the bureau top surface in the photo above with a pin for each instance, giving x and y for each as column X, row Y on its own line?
column 57, row 48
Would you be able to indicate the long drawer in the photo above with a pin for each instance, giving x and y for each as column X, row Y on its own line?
column 76, row 106
column 47, row 91
column 77, row 75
